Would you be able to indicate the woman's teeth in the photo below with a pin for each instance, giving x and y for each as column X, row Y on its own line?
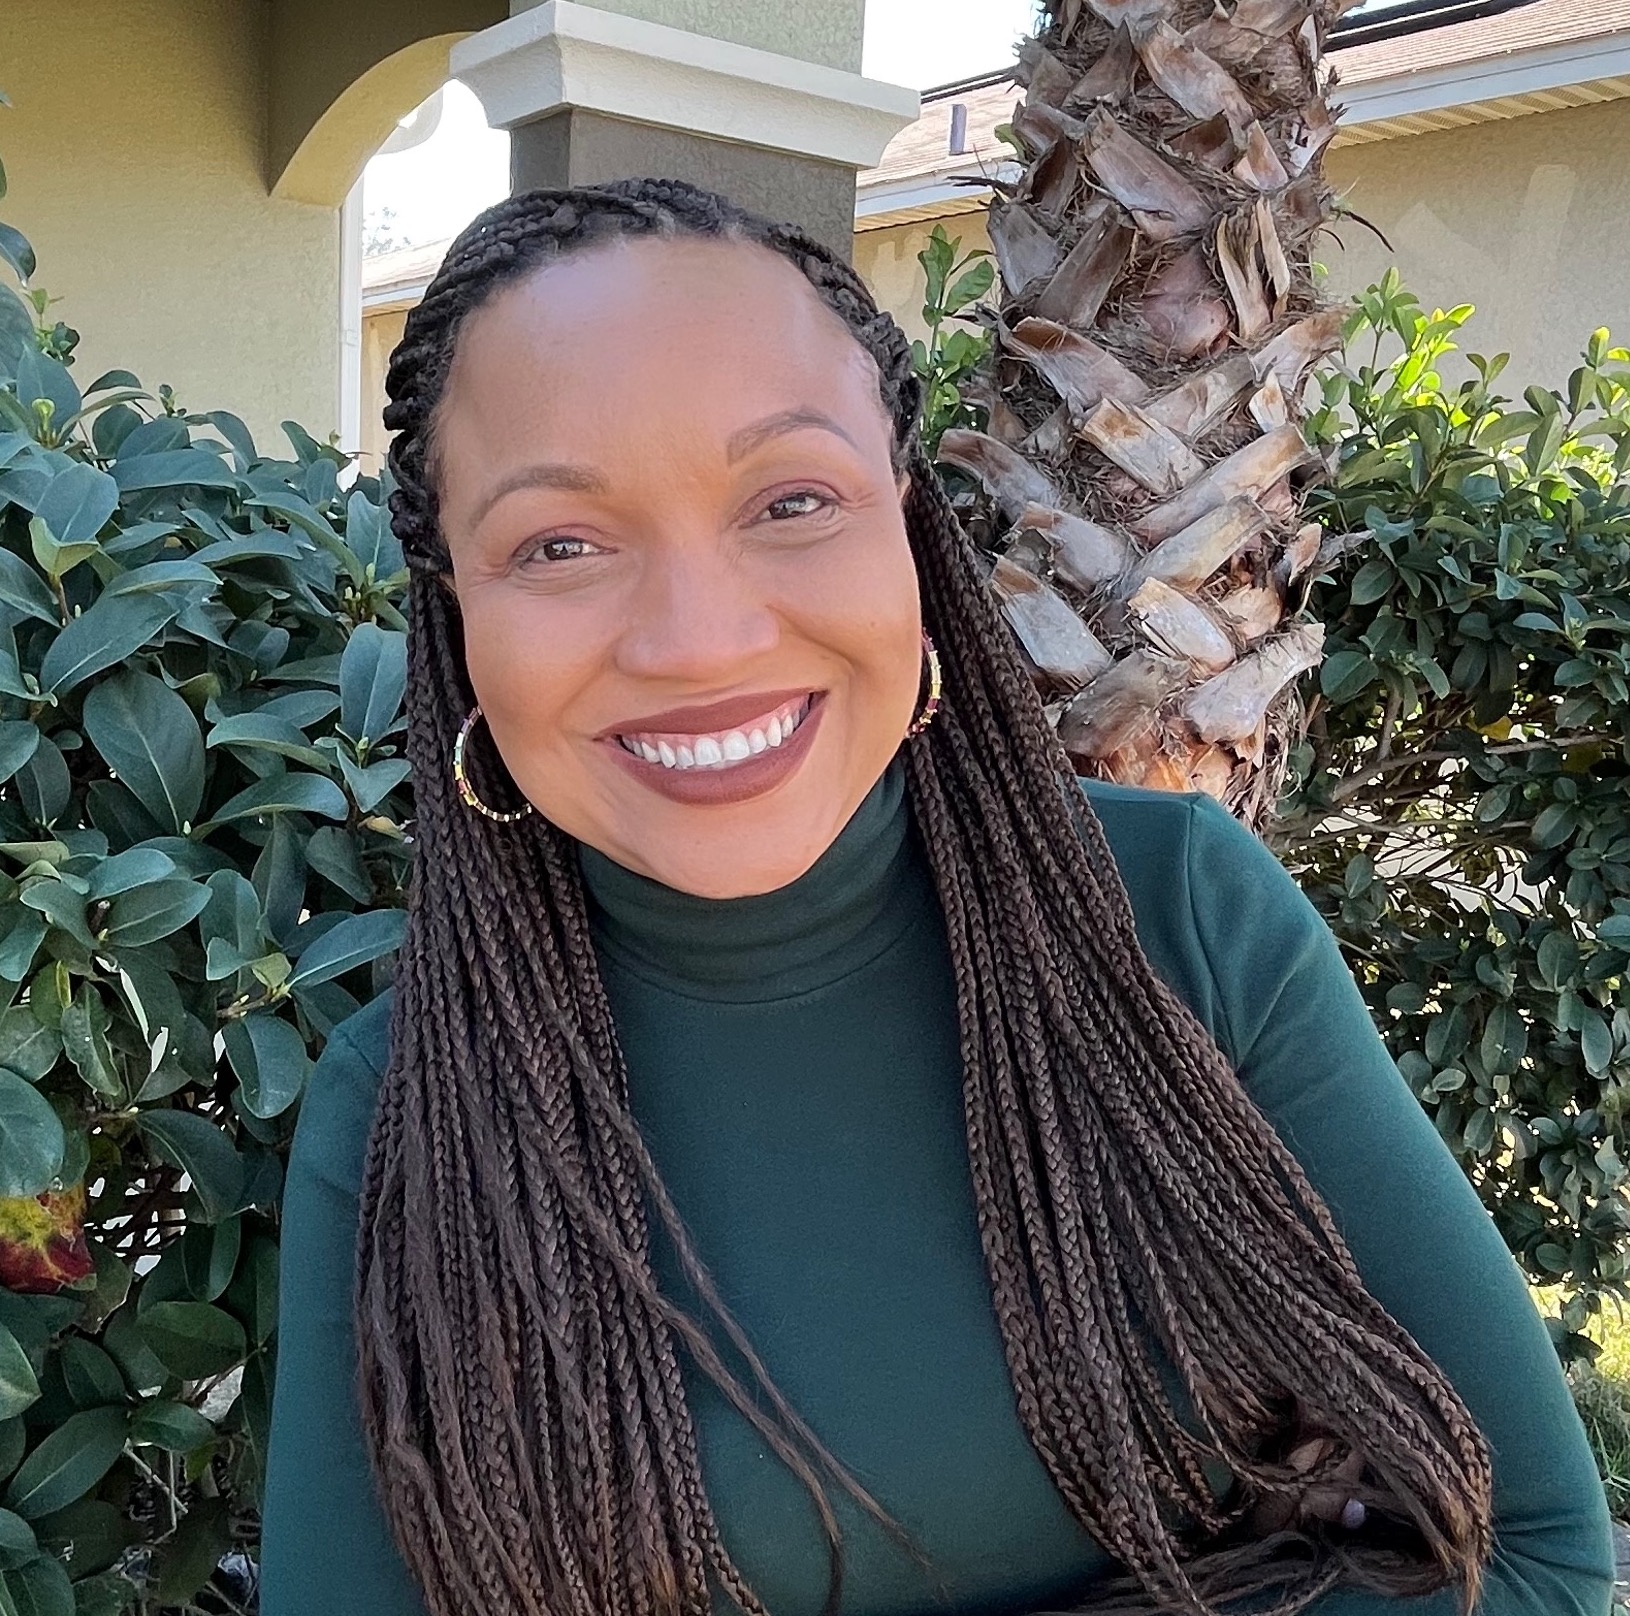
column 723, row 749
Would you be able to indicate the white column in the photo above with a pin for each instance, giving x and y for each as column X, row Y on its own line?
column 564, row 54
column 350, row 401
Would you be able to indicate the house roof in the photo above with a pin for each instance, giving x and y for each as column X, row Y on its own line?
column 1539, row 57
column 396, row 280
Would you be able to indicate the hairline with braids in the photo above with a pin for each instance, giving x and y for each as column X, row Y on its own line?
column 518, row 1367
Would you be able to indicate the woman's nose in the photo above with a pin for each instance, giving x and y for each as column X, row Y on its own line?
column 696, row 618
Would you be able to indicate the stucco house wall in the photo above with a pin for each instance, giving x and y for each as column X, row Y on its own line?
column 887, row 258
column 1527, row 218
column 135, row 139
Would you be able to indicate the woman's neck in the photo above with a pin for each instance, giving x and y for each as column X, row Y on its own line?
column 835, row 918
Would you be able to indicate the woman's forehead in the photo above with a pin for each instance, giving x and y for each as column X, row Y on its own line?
column 657, row 322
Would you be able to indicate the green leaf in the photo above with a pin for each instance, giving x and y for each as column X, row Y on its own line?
column 85, row 1038
column 1345, row 674
column 373, row 678
column 332, row 853
column 122, row 1338
column 162, row 575
column 193, row 1339
column 89, row 1536
column 19, row 1389
column 114, row 627
column 270, row 1058
column 370, row 786
column 92, row 1377
column 1372, row 581
column 31, row 1147
column 20, row 943
column 78, row 503
column 43, row 784
column 18, row 740
column 190, row 1554
column 1505, row 1040
column 1555, row 824
column 290, row 792
column 1557, row 958
column 148, row 736
column 157, row 910
column 203, row 1152
column 13, row 1437
column 14, row 248
column 40, row 1588
column 135, row 867
column 22, row 588
column 267, row 732
column 69, row 1462
column 354, row 941
column 208, row 1256
column 1615, row 930
column 252, row 1295
column 17, row 1543
column 27, row 1045
column 172, row 1426
column 973, row 284
column 173, row 468
column 1595, row 1042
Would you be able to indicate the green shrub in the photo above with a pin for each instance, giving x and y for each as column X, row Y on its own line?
column 203, row 846
column 952, row 280
column 1461, row 807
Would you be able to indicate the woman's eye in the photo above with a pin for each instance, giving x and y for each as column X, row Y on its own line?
column 806, row 502
column 557, row 550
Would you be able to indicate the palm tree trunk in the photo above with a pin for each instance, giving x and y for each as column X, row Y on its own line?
column 1140, row 481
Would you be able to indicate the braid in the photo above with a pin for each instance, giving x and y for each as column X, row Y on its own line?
column 519, row 1369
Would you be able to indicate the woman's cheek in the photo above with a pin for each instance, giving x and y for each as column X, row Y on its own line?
column 527, row 659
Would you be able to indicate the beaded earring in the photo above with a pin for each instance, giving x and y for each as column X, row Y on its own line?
column 932, row 705
column 462, row 780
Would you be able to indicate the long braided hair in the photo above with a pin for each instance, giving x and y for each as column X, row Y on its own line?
column 519, row 1370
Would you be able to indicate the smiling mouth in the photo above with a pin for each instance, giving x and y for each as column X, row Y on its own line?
column 717, row 750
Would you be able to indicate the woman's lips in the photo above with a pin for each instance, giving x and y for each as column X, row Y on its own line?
column 727, row 781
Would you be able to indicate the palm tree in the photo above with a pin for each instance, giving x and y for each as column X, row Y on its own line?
column 1140, row 479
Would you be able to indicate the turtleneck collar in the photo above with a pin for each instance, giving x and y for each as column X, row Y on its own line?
column 842, row 913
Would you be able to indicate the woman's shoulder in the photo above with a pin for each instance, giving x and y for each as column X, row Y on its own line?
column 1216, row 912
column 337, row 1108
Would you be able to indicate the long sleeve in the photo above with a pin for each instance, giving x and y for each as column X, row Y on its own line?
column 1301, row 1037
column 325, row 1543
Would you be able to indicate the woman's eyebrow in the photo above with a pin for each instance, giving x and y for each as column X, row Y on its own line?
column 546, row 474
column 748, row 438
column 580, row 480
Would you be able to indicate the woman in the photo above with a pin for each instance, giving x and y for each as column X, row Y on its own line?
column 815, row 1153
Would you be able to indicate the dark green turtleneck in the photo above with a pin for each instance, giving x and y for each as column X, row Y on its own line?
column 793, row 1063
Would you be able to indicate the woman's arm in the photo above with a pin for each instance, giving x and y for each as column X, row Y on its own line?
column 325, row 1545
column 1301, row 1037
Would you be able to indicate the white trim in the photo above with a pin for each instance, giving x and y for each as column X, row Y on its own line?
column 565, row 54
column 941, row 188
column 350, row 411
column 1460, row 84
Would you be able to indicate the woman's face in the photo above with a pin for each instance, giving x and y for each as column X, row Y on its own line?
column 691, row 615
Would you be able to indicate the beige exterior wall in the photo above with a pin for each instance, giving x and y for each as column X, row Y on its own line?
column 381, row 331
column 135, row 155
column 887, row 261
column 1528, row 218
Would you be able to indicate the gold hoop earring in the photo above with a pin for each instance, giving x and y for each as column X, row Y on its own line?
column 932, row 705
column 465, row 790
